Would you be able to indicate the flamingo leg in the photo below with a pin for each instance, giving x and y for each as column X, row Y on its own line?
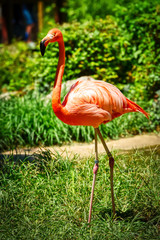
column 95, row 169
column 111, row 164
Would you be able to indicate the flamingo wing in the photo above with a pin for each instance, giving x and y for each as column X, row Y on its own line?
column 91, row 102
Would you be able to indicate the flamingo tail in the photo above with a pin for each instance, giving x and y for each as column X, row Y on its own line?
column 136, row 108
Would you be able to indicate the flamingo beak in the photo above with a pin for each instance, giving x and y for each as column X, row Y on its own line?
column 42, row 47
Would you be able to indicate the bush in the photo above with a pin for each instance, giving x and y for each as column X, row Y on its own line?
column 88, row 52
column 121, row 49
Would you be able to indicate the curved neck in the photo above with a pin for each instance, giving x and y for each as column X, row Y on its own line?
column 56, row 97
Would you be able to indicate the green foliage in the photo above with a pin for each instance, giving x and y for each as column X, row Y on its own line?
column 90, row 54
column 25, row 121
column 121, row 49
column 87, row 9
column 141, row 45
column 48, row 198
column 16, row 66
column 91, row 9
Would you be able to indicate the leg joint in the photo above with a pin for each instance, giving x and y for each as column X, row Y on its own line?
column 95, row 168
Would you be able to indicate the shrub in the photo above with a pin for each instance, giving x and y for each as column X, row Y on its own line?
column 121, row 49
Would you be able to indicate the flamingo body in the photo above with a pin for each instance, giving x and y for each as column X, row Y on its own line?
column 92, row 102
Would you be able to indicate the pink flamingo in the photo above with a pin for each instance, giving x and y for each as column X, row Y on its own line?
column 88, row 103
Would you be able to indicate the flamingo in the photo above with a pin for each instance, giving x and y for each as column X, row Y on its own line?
column 88, row 103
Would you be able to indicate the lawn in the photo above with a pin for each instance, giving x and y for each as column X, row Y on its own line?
column 48, row 198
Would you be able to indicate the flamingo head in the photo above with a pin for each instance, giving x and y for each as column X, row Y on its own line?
column 54, row 35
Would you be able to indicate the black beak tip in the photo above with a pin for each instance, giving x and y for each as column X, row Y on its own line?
column 42, row 47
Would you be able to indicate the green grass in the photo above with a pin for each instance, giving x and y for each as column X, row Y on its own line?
column 48, row 198
column 29, row 120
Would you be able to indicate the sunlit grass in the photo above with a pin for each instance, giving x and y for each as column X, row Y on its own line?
column 48, row 198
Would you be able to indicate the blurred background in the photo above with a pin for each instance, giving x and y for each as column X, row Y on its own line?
column 115, row 41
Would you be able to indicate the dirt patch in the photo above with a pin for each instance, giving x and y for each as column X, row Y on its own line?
column 86, row 150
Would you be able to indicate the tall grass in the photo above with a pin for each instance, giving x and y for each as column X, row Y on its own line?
column 48, row 198
column 29, row 120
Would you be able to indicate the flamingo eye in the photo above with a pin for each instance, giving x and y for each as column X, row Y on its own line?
column 50, row 36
